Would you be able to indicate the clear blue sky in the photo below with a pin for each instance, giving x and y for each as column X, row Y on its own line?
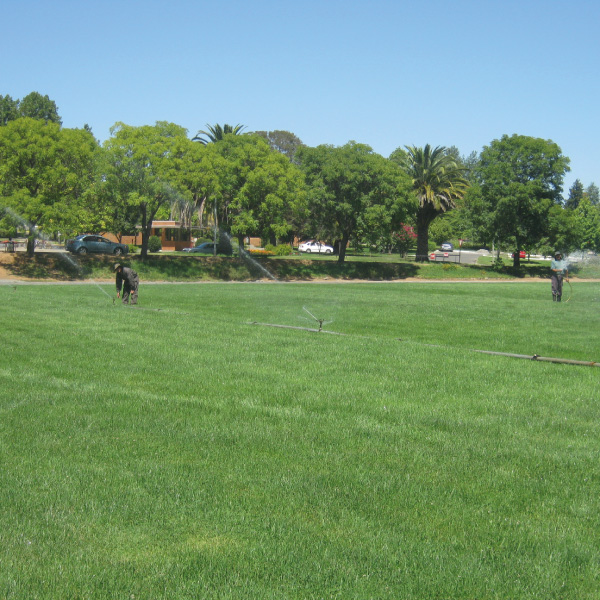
column 386, row 73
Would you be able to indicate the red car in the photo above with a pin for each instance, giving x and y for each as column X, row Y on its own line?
column 522, row 254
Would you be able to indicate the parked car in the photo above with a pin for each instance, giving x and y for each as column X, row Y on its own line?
column 204, row 248
column 312, row 246
column 83, row 244
column 208, row 248
column 447, row 247
column 522, row 254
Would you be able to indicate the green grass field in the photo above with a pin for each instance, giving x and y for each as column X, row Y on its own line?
column 179, row 450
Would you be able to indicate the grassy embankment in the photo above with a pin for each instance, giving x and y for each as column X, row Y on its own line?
column 182, row 267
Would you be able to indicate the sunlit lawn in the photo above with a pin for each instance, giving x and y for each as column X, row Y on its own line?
column 180, row 450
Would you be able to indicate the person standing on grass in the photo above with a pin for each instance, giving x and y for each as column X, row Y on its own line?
column 559, row 269
column 129, row 280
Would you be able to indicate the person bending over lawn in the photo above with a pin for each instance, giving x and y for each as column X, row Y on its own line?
column 127, row 279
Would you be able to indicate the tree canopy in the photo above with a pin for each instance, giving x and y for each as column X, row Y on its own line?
column 269, row 184
column 257, row 191
column 521, row 181
column 352, row 190
column 34, row 106
column 282, row 141
column 437, row 180
column 141, row 170
column 44, row 173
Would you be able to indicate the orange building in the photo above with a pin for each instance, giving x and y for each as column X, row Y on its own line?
column 173, row 236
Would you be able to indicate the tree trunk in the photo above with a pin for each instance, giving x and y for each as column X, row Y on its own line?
column 31, row 243
column 517, row 259
column 425, row 215
column 342, row 249
column 201, row 212
column 146, row 228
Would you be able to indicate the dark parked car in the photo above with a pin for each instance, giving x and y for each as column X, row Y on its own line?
column 204, row 248
column 83, row 244
column 208, row 248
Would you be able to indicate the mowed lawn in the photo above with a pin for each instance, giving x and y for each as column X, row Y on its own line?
column 181, row 450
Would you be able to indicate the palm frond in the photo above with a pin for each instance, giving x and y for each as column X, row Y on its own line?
column 437, row 179
column 216, row 133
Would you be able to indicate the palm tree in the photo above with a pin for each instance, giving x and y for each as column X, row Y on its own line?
column 438, row 181
column 215, row 133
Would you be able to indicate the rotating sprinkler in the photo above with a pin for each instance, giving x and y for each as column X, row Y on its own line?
column 319, row 321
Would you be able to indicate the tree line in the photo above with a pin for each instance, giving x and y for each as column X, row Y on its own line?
column 270, row 185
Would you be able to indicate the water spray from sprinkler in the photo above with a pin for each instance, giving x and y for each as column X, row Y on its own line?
column 319, row 321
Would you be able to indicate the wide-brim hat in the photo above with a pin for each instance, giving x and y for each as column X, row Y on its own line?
column 117, row 266
column 558, row 254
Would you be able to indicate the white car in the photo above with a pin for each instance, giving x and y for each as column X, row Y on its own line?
column 312, row 246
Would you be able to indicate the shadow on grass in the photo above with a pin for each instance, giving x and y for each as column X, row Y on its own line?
column 45, row 266
column 307, row 270
column 526, row 270
column 163, row 267
column 160, row 267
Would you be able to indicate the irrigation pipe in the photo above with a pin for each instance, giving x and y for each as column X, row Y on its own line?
column 535, row 357
column 165, row 310
column 564, row 361
column 297, row 328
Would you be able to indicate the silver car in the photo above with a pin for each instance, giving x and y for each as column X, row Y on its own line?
column 83, row 244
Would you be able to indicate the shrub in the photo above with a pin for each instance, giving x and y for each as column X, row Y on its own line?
column 259, row 252
column 154, row 244
column 283, row 250
column 404, row 239
column 498, row 264
column 132, row 248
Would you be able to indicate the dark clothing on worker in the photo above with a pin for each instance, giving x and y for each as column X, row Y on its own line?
column 559, row 269
column 129, row 280
column 557, row 285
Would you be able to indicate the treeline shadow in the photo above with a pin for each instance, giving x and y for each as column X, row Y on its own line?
column 46, row 266
column 307, row 270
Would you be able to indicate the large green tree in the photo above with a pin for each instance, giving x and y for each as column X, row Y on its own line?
column 257, row 190
column 438, row 179
column 45, row 172
column 593, row 193
column 283, row 141
column 142, row 170
column 352, row 189
column 587, row 216
column 36, row 106
column 521, row 180
column 576, row 192
column 9, row 109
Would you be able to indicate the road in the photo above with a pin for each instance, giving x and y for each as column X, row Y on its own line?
column 464, row 257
